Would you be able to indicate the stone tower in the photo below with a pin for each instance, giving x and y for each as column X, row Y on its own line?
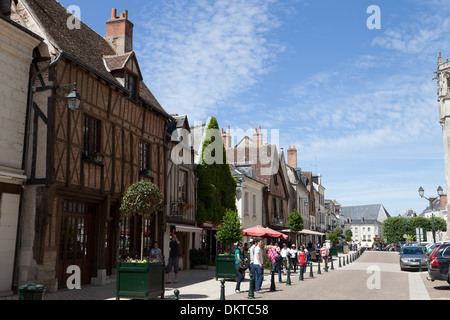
column 443, row 79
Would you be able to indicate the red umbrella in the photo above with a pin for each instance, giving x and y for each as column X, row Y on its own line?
column 262, row 232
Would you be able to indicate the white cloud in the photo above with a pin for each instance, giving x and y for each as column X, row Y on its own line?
column 206, row 52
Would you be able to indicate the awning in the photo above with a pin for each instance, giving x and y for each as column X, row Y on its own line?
column 315, row 233
column 185, row 228
column 304, row 231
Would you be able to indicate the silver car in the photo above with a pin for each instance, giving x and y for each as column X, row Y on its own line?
column 412, row 257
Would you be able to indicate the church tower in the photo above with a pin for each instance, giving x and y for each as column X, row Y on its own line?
column 443, row 79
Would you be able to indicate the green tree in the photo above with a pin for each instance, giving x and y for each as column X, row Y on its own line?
column 394, row 228
column 295, row 221
column 348, row 235
column 338, row 231
column 216, row 190
column 230, row 231
column 333, row 237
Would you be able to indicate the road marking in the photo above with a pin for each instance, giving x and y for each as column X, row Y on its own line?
column 417, row 289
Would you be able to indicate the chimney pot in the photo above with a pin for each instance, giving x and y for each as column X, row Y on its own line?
column 114, row 14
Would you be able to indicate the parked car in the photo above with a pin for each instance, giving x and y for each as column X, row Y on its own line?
column 438, row 263
column 431, row 246
column 412, row 257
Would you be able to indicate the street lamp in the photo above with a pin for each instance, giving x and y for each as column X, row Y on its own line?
column 440, row 192
column 73, row 98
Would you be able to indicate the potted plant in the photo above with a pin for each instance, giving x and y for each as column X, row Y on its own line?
column 140, row 278
column 228, row 234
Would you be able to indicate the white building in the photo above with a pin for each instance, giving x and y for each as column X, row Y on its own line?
column 16, row 51
column 249, row 198
column 365, row 222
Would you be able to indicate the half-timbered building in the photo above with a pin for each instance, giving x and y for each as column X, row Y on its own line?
column 82, row 160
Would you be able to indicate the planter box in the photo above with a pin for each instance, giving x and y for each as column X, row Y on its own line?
column 225, row 267
column 140, row 280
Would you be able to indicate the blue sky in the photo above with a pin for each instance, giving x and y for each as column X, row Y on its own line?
column 360, row 105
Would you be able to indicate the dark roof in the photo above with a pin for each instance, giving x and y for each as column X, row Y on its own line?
column 82, row 45
column 368, row 212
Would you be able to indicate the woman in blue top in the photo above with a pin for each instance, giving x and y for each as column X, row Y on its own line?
column 238, row 259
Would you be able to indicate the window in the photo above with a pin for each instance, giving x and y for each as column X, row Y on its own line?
column 280, row 214
column 246, row 204
column 144, row 156
column 254, row 206
column 91, row 137
column 131, row 85
column 182, row 186
column 274, row 207
column 446, row 253
column 275, row 179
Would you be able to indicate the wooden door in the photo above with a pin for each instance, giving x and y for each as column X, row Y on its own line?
column 76, row 241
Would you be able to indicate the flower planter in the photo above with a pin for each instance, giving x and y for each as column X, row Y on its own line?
column 225, row 267
column 140, row 280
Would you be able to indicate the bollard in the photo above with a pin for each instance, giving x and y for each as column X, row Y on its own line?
column 340, row 265
column 326, row 267
column 318, row 267
column 222, row 289
column 251, row 294
column 420, row 266
column 310, row 270
column 177, row 294
column 343, row 261
column 332, row 267
column 347, row 259
column 300, row 277
column 288, row 280
column 272, row 282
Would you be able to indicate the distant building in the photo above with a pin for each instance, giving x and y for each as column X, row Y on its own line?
column 365, row 222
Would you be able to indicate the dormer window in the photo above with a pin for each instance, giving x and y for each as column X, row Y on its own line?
column 131, row 84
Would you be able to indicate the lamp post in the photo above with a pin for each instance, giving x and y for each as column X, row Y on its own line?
column 73, row 98
column 440, row 192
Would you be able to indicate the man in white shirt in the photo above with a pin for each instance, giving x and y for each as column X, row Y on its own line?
column 252, row 258
column 284, row 253
column 258, row 263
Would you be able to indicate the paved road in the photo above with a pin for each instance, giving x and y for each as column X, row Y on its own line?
column 375, row 275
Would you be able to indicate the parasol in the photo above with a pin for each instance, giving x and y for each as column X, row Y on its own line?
column 262, row 232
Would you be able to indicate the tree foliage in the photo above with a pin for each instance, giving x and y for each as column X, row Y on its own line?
column 230, row 231
column 142, row 199
column 216, row 190
column 394, row 228
column 333, row 237
column 348, row 235
column 295, row 221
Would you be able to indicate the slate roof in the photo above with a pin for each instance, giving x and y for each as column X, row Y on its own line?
column 82, row 45
column 372, row 212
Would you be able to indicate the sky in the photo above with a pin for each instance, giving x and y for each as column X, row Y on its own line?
column 359, row 103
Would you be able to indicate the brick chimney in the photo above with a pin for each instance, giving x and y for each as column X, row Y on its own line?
column 226, row 137
column 119, row 32
column 257, row 137
column 292, row 157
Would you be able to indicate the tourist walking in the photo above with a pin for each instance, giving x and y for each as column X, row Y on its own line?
column 239, row 262
column 275, row 257
column 293, row 258
column 252, row 258
column 258, row 262
column 324, row 252
column 302, row 258
column 284, row 255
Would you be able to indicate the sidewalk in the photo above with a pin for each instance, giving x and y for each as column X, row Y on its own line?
column 192, row 285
